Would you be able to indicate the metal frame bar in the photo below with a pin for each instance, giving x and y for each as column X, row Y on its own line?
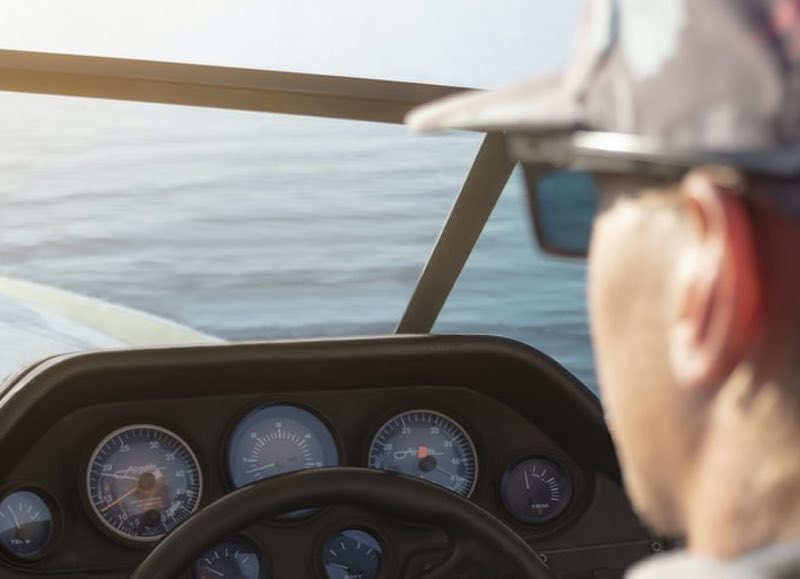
column 287, row 93
column 214, row 86
column 473, row 207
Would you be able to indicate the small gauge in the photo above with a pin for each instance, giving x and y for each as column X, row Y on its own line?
column 427, row 445
column 536, row 490
column 142, row 482
column 26, row 524
column 236, row 558
column 276, row 439
column 352, row 554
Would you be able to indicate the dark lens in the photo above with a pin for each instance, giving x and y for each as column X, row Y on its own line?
column 564, row 204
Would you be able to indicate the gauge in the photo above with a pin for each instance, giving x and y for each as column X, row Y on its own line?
column 26, row 524
column 235, row 558
column 535, row 490
column 142, row 482
column 276, row 439
column 352, row 554
column 427, row 445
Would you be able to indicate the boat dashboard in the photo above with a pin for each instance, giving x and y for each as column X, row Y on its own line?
column 105, row 453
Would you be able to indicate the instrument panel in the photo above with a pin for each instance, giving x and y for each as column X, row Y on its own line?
column 158, row 451
column 143, row 480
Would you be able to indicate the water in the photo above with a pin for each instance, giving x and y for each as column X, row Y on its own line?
column 253, row 226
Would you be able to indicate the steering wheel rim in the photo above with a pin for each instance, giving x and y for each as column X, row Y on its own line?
column 374, row 490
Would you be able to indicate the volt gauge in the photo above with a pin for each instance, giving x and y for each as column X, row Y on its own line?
column 352, row 553
column 236, row 558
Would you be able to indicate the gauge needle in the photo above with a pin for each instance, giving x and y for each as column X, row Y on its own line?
column 422, row 452
column 258, row 468
column 340, row 566
column 447, row 472
column 16, row 520
column 119, row 500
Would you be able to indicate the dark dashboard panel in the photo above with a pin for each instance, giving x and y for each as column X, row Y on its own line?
column 513, row 401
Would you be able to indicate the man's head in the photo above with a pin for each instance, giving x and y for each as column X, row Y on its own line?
column 693, row 277
column 693, row 293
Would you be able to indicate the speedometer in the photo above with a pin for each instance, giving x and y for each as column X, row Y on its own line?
column 427, row 445
column 142, row 482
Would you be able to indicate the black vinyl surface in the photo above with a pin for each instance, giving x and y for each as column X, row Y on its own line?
column 513, row 401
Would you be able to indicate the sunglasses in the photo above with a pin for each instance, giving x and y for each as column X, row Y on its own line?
column 566, row 175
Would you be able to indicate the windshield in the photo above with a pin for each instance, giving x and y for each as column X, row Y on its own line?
column 249, row 225
column 450, row 42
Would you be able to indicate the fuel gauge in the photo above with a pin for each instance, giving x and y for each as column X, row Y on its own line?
column 27, row 524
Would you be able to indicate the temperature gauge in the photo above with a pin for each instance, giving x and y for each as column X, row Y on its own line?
column 536, row 490
column 26, row 524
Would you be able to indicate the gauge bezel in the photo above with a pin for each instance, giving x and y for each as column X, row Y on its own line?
column 97, row 517
column 300, row 403
column 227, row 478
column 387, row 561
column 263, row 559
column 576, row 479
column 56, row 512
column 448, row 417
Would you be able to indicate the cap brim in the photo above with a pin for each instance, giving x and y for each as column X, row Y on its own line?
column 538, row 105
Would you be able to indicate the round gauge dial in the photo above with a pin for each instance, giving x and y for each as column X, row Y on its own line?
column 236, row 558
column 352, row 553
column 427, row 445
column 535, row 490
column 26, row 524
column 276, row 439
column 142, row 482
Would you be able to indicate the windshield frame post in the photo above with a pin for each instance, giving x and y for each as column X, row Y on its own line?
column 467, row 219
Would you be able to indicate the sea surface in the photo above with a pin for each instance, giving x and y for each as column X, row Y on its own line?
column 251, row 226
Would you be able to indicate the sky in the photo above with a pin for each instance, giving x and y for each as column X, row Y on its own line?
column 457, row 42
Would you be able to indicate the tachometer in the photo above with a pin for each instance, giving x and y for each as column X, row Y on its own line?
column 276, row 439
column 142, row 482
column 427, row 445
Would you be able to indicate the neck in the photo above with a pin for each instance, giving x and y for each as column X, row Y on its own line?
column 746, row 489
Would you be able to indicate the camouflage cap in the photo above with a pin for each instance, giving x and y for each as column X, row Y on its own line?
column 700, row 74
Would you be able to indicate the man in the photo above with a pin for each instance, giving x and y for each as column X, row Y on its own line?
column 694, row 260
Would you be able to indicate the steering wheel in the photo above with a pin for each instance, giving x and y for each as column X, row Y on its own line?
column 389, row 493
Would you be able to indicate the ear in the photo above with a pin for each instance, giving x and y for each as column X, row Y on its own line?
column 717, row 292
